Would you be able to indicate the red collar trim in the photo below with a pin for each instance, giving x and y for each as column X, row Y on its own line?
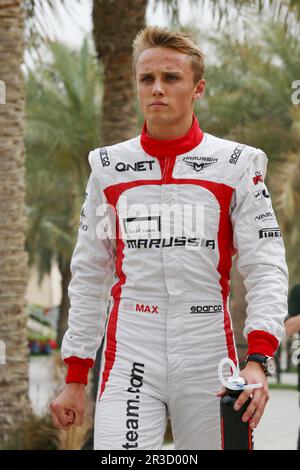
column 172, row 147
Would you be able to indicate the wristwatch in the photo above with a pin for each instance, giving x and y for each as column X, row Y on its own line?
column 268, row 363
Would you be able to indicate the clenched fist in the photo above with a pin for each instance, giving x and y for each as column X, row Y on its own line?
column 67, row 408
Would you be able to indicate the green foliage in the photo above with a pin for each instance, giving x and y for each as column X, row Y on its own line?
column 36, row 28
column 63, row 98
column 32, row 336
column 250, row 88
column 237, row 11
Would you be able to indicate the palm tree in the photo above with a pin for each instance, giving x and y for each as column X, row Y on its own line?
column 14, row 401
column 65, row 91
column 115, row 26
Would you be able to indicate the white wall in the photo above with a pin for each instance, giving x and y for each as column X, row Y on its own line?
column 48, row 294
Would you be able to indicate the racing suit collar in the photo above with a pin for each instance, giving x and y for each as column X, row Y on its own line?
column 172, row 147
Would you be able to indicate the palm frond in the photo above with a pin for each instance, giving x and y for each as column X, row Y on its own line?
column 63, row 121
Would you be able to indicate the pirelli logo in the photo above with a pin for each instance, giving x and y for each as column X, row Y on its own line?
column 270, row 233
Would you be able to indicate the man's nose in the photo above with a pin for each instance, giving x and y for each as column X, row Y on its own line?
column 157, row 87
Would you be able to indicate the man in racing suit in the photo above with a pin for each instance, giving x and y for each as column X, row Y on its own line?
column 169, row 325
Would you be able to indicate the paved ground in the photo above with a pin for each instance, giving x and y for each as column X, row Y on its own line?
column 40, row 383
column 286, row 378
column 278, row 428
column 279, row 425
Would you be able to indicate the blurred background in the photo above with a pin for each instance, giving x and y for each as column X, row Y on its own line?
column 65, row 88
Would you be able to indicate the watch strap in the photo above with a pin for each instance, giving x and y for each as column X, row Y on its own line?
column 261, row 359
column 257, row 358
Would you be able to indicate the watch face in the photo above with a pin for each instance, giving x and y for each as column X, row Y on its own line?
column 271, row 365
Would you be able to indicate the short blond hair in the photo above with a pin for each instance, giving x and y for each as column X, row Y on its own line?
column 157, row 36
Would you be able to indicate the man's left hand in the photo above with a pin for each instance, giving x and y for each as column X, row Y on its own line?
column 253, row 373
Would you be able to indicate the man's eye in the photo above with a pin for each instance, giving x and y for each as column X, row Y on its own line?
column 146, row 78
column 171, row 77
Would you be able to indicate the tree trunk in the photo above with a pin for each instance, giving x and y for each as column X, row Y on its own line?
column 238, row 306
column 115, row 25
column 14, row 399
column 62, row 324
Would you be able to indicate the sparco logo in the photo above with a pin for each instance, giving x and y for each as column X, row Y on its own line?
column 167, row 242
column 206, row 162
column 206, row 308
column 269, row 233
column 146, row 308
column 132, row 422
column 104, row 157
column 236, row 154
column 138, row 166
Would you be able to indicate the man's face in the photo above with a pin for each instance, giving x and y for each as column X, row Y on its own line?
column 165, row 85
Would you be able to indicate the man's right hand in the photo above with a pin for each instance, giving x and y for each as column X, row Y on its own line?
column 67, row 408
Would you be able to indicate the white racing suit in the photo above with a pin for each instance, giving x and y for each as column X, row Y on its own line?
column 169, row 323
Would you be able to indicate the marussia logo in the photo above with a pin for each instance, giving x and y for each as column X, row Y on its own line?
column 146, row 308
column 198, row 166
column 258, row 178
column 168, row 242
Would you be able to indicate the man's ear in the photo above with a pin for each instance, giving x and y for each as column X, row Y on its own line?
column 199, row 89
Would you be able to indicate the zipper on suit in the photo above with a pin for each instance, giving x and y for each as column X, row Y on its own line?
column 166, row 168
